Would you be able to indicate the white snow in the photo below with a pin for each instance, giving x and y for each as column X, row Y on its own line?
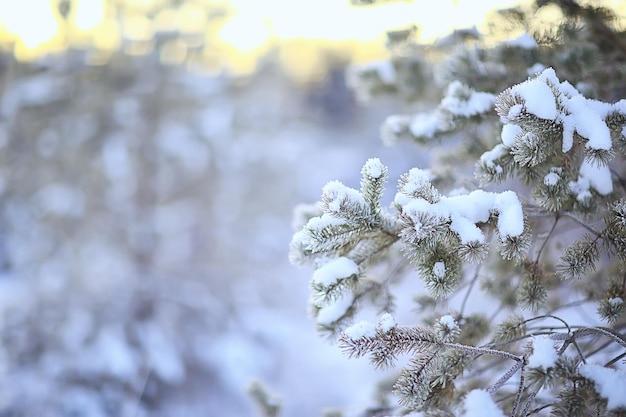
column 616, row 301
column 335, row 271
column 538, row 98
column 465, row 211
column 551, row 179
column 524, row 41
column 338, row 194
column 510, row 132
column 478, row 403
column 489, row 157
column 535, row 69
column 373, row 168
column 425, row 125
column 325, row 220
column 514, row 111
column 386, row 323
column 439, row 269
column 510, row 214
column 466, row 230
column 568, row 133
column 416, row 180
column 609, row 383
column 449, row 322
column 478, row 102
column 590, row 176
column 397, row 123
column 329, row 314
column 361, row 330
column 589, row 124
column 544, row 354
column 548, row 98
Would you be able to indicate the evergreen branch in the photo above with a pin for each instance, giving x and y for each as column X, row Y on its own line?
column 547, row 239
column 335, row 237
column 413, row 386
column 374, row 178
column 586, row 331
column 385, row 346
column 469, row 289
column 483, row 351
column 538, row 409
column 528, row 403
column 371, row 245
column 520, row 391
column 504, row 378
column 615, row 360
column 581, row 223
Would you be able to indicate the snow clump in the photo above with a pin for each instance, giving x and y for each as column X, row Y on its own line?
column 335, row 271
column 544, row 354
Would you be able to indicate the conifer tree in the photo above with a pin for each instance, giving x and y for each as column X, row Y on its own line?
column 535, row 232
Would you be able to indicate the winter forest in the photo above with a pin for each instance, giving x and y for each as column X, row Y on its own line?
column 198, row 223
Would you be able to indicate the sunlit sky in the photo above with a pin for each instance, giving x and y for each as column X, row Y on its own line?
column 36, row 27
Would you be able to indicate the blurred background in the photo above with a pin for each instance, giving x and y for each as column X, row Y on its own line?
column 151, row 153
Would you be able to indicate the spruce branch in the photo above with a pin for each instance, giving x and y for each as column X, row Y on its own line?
column 504, row 378
column 579, row 258
column 562, row 152
column 587, row 331
column 373, row 180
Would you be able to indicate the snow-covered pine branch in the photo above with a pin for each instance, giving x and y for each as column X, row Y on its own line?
column 552, row 154
column 460, row 106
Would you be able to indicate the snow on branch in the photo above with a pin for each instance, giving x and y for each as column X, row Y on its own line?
column 552, row 132
column 460, row 104
column 609, row 384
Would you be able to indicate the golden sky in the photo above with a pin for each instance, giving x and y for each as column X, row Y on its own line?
column 36, row 27
column 254, row 21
